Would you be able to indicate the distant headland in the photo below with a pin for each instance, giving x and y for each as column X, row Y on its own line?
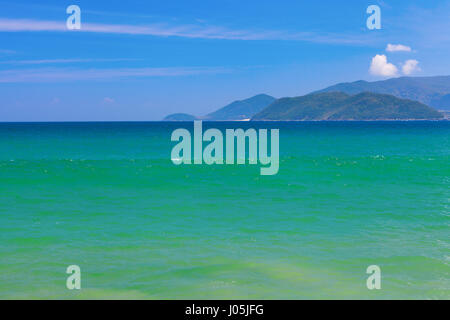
column 404, row 98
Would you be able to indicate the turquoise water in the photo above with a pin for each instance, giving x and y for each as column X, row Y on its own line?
column 106, row 197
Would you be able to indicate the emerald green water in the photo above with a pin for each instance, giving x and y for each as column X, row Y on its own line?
column 106, row 197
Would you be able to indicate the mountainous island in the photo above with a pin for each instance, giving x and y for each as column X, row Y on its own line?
column 341, row 106
column 404, row 98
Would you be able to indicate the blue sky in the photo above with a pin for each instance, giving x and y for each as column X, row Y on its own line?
column 142, row 60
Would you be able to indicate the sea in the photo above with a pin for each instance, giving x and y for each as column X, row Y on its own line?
column 106, row 197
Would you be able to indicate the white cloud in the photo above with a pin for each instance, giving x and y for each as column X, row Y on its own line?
column 410, row 66
column 397, row 48
column 108, row 100
column 380, row 66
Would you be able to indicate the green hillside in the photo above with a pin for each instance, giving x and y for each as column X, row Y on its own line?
column 341, row 106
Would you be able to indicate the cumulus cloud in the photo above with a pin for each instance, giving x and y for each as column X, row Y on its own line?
column 397, row 48
column 380, row 66
column 410, row 66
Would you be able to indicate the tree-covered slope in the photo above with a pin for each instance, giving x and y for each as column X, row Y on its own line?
column 340, row 106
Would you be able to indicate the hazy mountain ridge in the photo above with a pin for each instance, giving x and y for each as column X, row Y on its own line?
column 341, row 106
column 241, row 109
column 180, row 117
column 432, row 91
column 237, row 110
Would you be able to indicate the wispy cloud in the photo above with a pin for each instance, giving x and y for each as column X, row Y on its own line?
column 6, row 51
column 67, row 74
column 185, row 31
column 108, row 100
column 62, row 61
column 16, row 25
column 397, row 48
